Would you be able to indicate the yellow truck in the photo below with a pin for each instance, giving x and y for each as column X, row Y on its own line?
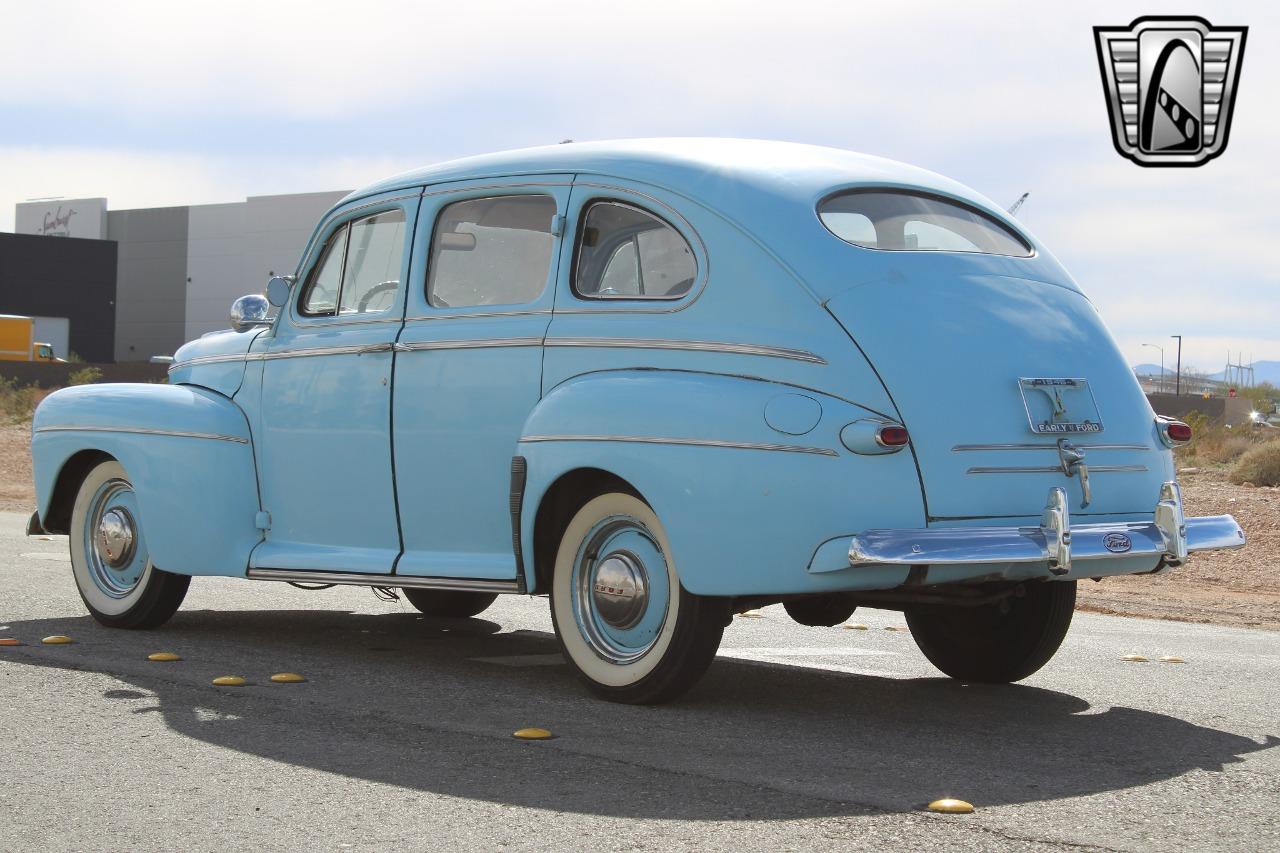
column 18, row 343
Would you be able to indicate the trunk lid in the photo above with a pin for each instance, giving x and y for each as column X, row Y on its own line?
column 965, row 357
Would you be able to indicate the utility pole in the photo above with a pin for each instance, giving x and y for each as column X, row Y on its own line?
column 1153, row 346
column 1177, row 388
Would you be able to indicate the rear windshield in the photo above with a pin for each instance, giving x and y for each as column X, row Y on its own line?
column 907, row 221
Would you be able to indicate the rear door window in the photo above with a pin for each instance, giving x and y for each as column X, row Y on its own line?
column 491, row 251
column 628, row 253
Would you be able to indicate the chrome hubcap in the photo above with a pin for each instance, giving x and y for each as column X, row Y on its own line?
column 113, row 543
column 620, row 589
column 115, row 539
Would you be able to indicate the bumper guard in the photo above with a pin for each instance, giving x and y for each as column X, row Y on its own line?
column 1170, row 536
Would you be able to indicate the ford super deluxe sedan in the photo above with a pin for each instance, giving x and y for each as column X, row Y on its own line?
column 659, row 382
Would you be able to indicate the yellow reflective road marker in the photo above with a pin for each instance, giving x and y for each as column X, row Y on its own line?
column 1134, row 658
column 163, row 656
column 56, row 640
column 287, row 678
column 1171, row 659
column 751, row 614
column 229, row 681
column 10, row 641
column 532, row 734
column 854, row 626
column 949, row 805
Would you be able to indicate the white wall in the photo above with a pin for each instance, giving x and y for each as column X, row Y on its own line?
column 64, row 217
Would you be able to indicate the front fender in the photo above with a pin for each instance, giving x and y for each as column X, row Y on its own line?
column 188, row 452
column 746, row 499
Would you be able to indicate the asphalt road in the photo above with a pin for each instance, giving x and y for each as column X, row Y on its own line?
column 798, row 738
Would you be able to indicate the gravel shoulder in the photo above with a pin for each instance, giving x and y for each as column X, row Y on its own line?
column 1235, row 588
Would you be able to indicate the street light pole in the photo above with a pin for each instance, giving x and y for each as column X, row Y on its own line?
column 1177, row 392
column 1153, row 346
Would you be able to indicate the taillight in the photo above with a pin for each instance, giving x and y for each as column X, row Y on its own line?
column 892, row 435
column 1173, row 433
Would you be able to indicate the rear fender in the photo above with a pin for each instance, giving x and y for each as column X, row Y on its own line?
column 744, row 503
column 188, row 452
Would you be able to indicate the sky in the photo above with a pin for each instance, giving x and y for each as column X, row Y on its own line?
column 168, row 103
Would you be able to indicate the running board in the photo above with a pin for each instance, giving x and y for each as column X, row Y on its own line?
column 399, row 581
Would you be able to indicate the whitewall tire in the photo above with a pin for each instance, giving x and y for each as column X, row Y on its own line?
column 109, row 558
column 625, row 623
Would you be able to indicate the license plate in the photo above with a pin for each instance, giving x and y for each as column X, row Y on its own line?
column 1057, row 406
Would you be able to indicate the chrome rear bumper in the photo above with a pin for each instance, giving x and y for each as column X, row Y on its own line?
column 1169, row 536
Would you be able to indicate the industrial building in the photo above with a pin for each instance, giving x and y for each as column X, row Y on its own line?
column 133, row 284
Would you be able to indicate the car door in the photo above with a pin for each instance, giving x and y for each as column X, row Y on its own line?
column 469, row 370
column 325, row 458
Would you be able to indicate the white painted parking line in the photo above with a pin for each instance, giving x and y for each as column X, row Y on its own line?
column 524, row 660
column 806, row 658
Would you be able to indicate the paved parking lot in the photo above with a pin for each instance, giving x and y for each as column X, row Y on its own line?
column 799, row 738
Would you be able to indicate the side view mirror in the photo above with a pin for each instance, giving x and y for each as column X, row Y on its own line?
column 250, row 311
column 278, row 289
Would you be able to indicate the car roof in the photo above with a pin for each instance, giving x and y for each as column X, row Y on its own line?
column 719, row 172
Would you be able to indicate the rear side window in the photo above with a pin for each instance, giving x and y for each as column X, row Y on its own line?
column 626, row 253
column 359, row 268
column 491, row 251
column 907, row 221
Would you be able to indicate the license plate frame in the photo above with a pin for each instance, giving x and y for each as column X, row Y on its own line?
column 1059, row 405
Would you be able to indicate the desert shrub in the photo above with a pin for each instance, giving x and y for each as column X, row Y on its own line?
column 84, row 376
column 17, row 402
column 1213, row 443
column 1260, row 466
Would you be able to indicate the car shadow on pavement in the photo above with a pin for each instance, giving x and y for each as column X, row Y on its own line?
column 429, row 704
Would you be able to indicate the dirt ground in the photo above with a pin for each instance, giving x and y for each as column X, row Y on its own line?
column 1223, row 587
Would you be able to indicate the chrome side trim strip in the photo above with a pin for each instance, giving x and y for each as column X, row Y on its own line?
column 402, row 581
column 480, row 315
column 481, row 343
column 306, row 353
column 686, row 442
column 695, row 346
column 1053, row 469
column 209, row 359
column 235, row 439
column 961, row 448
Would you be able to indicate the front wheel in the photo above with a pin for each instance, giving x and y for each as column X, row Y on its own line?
column 626, row 625
column 996, row 643
column 109, row 557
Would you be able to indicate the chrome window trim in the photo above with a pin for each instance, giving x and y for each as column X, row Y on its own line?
column 1054, row 469
column 307, row 261
column 642, row 306
column 476, row 343
column 961, row 448
column 549, row 284
column 689, row 345
column 235, row 439
column 487, row 187
column 686, row 442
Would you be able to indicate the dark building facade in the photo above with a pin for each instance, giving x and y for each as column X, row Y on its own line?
column 63, row 277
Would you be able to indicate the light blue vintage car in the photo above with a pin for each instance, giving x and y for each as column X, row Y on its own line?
column 660, row 382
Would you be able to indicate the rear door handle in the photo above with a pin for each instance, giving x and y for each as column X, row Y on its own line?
column 375, row 348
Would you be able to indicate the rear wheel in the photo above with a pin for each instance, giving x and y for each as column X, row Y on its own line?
column 109, row 557
column 626, row 625
column 997, row 643
column 449, row 602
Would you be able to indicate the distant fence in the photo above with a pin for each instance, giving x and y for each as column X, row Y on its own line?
column 1230, row 410
column 45, row 375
